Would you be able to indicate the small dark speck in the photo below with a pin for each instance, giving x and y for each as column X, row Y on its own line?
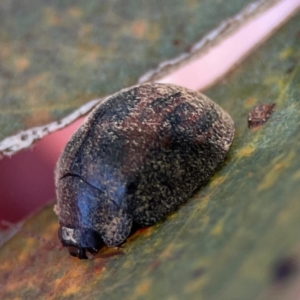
column 177, row 254
column 198, row 272
column 176, row 42
column 292, row 67
column 34, row 132
column 28, row 37
column 284, row 269
column 7, row 74
column 45, row 129
column 58, row 122
column 188, row 48
column 290, row 70
column 24, row 137
column 260, row 114
column 155, row 265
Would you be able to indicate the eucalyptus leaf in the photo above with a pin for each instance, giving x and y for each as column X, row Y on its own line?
column 225, row 241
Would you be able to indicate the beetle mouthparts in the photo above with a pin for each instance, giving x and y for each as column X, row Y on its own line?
column 81, row 253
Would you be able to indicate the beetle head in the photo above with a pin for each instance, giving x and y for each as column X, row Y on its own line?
column 81, row 242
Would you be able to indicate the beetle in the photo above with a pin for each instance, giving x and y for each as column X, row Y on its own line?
column 139, row 154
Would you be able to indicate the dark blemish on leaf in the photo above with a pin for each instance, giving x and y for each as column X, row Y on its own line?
column 117, row 171
column 7, row 74
column 176, row 42
column 24, row 137
column 114, row 252
column 9, row 149
column 290, row 70
column 155, row 265
column 284, row 269
column 188, row 48
column 292, row 67
column 176, row 254
column 198, row 272
column 45, row 129
column 260, row 114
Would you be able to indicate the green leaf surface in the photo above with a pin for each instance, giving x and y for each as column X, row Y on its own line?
column 224, row 242
column 57, row 55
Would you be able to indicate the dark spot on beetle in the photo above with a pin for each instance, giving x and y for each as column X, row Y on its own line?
column 24, row 137
column 34, row 132
column 132, row 186
column 260, row 114
column 45, row 129
column 136, row 229
column 284, row 269
column 161, row 103
column 198, row 272
column 120, row 107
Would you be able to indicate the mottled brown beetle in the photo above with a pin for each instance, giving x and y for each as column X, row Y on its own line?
column 140, row 154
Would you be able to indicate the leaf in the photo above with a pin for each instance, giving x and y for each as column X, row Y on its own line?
column 224, row 242
column 55, row 56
